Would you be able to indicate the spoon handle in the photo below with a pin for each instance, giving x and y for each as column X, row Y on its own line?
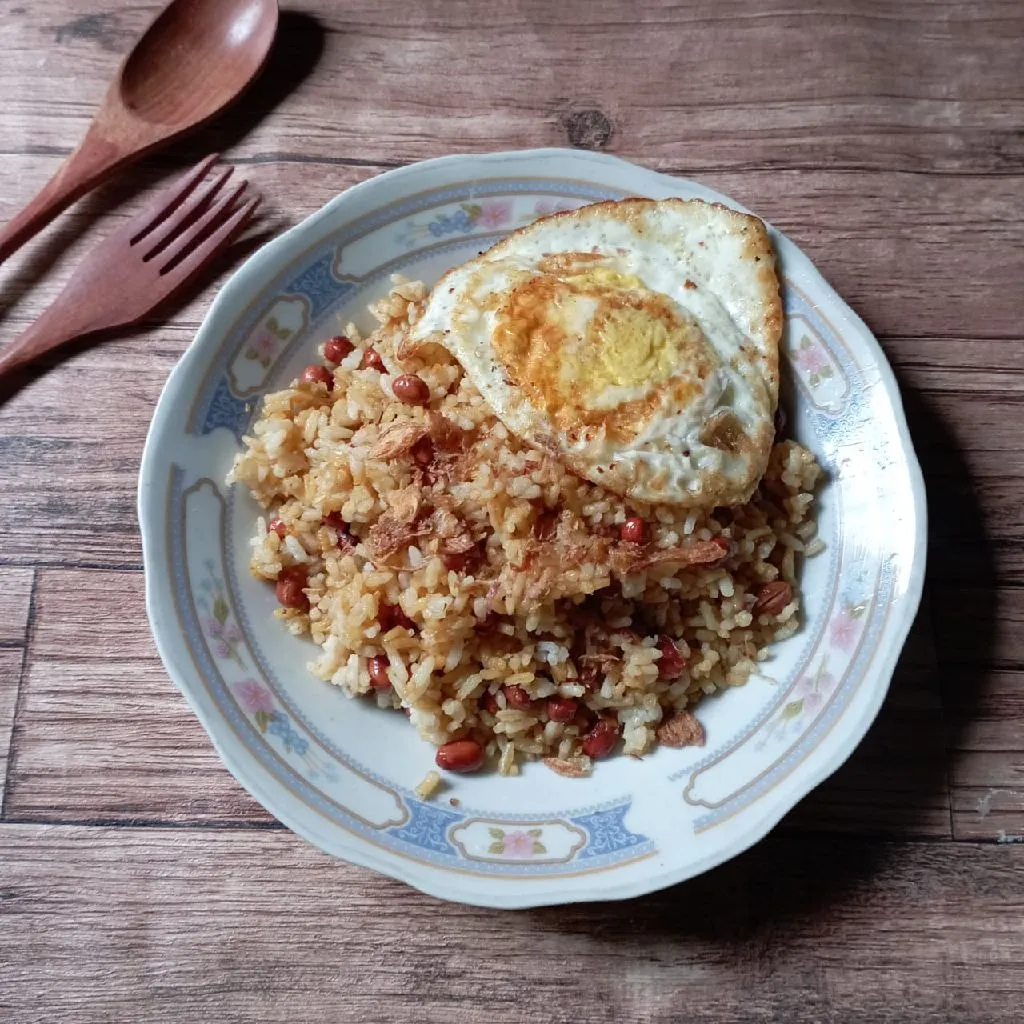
column 94, row 160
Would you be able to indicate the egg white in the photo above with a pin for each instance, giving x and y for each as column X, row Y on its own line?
column 682, row 287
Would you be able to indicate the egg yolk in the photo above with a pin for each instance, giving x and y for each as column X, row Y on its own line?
column 594, row 347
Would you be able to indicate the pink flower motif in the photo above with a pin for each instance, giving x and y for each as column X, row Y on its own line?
column 518, row 844
column 232, row 633
column 495, row 213
column 811, row 358
column 842, row 630
column 212, row 626
column 254, row 696
column 264, row 345
column 812, row 688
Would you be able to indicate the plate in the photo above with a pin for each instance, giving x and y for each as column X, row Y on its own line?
column 341, row 773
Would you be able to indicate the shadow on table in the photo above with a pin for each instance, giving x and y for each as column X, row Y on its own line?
column 894, row 786
column 297, row 49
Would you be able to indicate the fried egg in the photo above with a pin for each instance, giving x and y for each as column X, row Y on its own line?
column 636, row 341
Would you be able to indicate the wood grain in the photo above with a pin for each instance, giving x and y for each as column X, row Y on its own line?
column 980, row 649
column 102, row 733
column 705, row 85
column 987, row 786
column 978, row 629
column 15, row 597
column 11, row 664
column 901, row 263
column 174, row 924
column 885, row 139
column 15, row 606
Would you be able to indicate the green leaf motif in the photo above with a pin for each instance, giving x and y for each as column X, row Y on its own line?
column 473, row 209
column 496, row 848
column 496, row 833
column 220, row 609
column 539, row 848
column 826, row 373
column 855, row 611
column 262, row 720
column 536, row 832
column 792, row 709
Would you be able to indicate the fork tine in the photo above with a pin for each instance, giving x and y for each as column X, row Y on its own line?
column 195, row 232
column 164, row 233
column 192, row 260
column 169, row 198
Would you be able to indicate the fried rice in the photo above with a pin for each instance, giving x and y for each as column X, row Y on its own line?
column 446, row 568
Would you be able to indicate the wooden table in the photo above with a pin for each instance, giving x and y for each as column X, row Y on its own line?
column 138, row 882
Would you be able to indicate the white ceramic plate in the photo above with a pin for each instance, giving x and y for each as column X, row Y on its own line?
column 342, row 773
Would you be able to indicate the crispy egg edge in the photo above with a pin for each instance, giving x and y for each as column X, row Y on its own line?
column 635, row 480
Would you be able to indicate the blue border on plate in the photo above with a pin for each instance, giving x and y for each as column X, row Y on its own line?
column 428, row 827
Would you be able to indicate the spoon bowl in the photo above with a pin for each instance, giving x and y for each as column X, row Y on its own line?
column 196, row 58
column 221, row 44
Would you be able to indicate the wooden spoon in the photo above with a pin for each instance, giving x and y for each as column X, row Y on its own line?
column 196, row 58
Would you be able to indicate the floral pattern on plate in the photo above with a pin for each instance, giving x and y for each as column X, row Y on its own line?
column 816, row 369
column 483, row 215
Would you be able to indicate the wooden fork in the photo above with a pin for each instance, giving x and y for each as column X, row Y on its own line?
column 142, row 263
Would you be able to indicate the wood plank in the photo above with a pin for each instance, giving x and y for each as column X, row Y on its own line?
column 102, row 733
column 979, row 645
column 914, row 291
column 978, row 628
column 231, row 926
column 10, row 676
column 73, row 470
column 921, row 86
column 992, row 719
column 939, row 366
column 975, row 527
column 15, row 606
column 73, row 478
column 986, row 766
column 988, row 792
column 15, row 597
column 964, row 436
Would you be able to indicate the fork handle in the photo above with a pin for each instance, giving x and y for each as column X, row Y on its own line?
column 94, row 161
column 56, row 326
